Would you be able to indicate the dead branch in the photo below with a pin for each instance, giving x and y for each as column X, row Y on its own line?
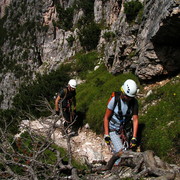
column 143, row 164
column 27, row 154
column 44, row 106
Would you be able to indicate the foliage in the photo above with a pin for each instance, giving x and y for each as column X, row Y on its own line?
column 65, row 17
column 18, row 71
column 29, row 96
column 88, row 9
column 92, row 96
column 70, row 40
column 89, row 36
column 10, row 119
column 162, row 125
column 85, row 63
column 109, row 36
column 132, row 9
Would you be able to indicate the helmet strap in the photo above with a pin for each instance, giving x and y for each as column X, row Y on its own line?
column 122, row 90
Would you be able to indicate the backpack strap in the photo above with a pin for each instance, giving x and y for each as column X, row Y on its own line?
column 129, row 110
column 65, row 94
column 117, row 96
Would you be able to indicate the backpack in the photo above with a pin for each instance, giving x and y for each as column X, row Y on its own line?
column 66, row 97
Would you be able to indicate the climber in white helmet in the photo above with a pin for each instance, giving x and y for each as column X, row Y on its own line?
column 67, row 97
column 121, row 118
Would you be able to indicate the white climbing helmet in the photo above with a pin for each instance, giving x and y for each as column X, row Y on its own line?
column 129, row 87
column 72, row 83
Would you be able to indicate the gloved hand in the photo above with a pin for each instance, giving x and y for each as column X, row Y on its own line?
column 133, row 142
column 107, row 138
column 57, row 113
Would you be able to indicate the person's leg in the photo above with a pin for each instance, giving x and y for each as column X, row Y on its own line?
column 117, row 143
column 66, row 115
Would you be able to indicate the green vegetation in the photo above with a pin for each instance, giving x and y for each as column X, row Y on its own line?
column 109, row 36
column 88, row 10
column 30, row 96
column 132, row 9
column 9, row 118
column 162, row 125
column 89, row 36
column 65, row 17
column 85, row 63
column 18, row 71
column 70, row 40
column 89, row 30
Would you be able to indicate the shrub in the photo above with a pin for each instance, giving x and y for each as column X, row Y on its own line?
column 132, row 9
column 109, row 36
column 44, row 87
column 18, row 71
column 65, row 17
column 85, row 63
column 89, row 36
column 88, row 9
column 70, row 40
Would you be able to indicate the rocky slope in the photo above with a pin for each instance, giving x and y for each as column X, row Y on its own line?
column 34, row 44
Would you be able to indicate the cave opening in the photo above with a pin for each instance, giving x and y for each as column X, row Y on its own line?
column 167, row 44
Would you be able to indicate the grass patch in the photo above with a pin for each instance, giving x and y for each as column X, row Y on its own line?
column 85, row 63
column 162, row 125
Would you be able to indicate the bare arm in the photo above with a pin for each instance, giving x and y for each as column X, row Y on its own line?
column 106, row 120
column 135, row 125
column 56, row 103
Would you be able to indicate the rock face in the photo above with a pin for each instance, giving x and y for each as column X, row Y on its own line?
column 34, row 46
column 31, row 42
column 157, row 40
column 3, row 5
column 149, row 48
